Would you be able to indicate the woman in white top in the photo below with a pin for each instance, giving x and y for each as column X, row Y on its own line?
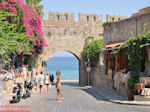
column 47, row 82
column 3, row 76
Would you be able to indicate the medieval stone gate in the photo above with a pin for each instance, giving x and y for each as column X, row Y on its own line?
column 62, row 32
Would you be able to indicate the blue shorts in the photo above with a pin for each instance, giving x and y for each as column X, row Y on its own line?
column 41, row 86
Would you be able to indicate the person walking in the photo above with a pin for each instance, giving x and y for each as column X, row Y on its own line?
column 41, row 81
column 47, row 81
column 3, row 75
column 36, row 79
column 58, row 86
column 52, row 78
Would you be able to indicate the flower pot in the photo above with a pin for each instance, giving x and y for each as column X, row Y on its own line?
column 129, row 94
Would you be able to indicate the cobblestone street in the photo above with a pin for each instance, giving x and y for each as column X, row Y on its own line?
column 76, row 99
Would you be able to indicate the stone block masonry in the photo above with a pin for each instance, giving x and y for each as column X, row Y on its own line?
column 120, row 31
column 62, row 32
column 113, row 18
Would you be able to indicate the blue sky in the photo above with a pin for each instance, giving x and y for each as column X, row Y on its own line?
column 117, row 7
column 62, row 54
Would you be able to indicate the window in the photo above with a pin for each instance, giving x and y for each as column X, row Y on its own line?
column 58, row 17
column 87, row 18
column 66, row 17
column 94, row 18
column 113, row 19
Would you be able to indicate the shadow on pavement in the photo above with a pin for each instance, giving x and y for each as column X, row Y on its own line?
column 52, row 99
column 75, row 84
column 92, row 93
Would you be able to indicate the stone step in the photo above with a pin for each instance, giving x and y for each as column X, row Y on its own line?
column 141, row 98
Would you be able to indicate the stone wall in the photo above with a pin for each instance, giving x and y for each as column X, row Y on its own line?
column 99, row 78
column 120, row 31
column 8, row 89
column 67, row 19
column 62, row 32
column 114, row 18
column 69, row 35
column 115, row 32
column 142, row 11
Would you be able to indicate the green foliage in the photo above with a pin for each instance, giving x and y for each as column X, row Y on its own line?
column 120, row 47
column 33, row 61
column 88, row 39
column 137, row 54
column 12, row 42
column 107, row 23
column 92, row 49
column 44, row 64
column 36, row 4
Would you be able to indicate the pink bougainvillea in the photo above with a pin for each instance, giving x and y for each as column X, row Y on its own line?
column 30, row 20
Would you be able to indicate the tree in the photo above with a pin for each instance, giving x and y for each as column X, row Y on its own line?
column 36, row 4
column 92, row 49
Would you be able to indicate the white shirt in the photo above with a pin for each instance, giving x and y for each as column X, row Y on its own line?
column 46, row 79
column 41, row 79
column 36, row 78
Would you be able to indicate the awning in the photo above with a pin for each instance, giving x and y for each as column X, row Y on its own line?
column 112, row 46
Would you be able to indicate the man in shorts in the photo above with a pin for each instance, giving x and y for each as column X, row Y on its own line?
column 41, row 81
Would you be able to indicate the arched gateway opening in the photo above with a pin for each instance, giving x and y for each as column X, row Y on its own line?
column 65, row 61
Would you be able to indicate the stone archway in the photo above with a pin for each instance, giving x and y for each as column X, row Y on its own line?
column 76, row 63
column 82, row 74
column 69, row 35
column 70, row 42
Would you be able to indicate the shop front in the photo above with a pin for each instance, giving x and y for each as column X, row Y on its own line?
column 118, row 70
column 117, row 66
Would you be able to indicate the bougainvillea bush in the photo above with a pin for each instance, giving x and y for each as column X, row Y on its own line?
column 12, row 42
column 27, row 20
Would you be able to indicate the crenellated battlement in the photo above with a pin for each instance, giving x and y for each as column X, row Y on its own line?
column 85, row 20
column 68, row 19
column 114, row 18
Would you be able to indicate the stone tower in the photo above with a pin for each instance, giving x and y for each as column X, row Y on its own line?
column 114, row 18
